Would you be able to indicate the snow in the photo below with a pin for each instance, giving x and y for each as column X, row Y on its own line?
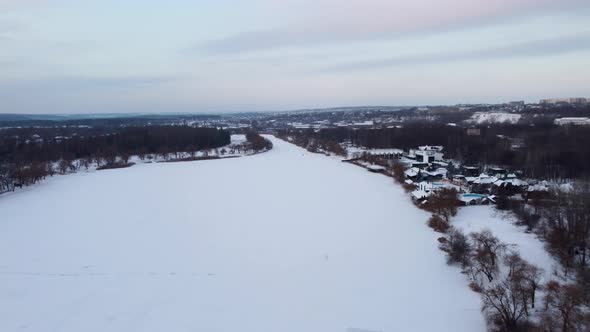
column 238, row 139
column 477, row 218
column 420, row 194
column 414, row 171
column 495, row 117
column 281, row 241
column 376, row 168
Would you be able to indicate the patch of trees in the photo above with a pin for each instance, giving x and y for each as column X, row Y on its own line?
column 438, row 224
column 314, row 144
column 443, row 202
column 28, row 155
column 398, row 172
column 514, row 295
column 541, row 151
column 257, row 142
column 510, row 287
column 563, row 221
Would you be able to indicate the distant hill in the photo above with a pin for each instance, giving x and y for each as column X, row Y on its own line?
column 108, row 120
column 30, row 117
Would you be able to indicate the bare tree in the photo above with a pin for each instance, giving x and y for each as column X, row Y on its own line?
column 125, row 157
column 64, row 165
column 398, row 172
column 457, row 248
column 531, row 275
column 503, row 307
column 438, row 224
column 485, row 241
column 528, row 277
column 563, row 303
column 487, row 248
column 443, row 202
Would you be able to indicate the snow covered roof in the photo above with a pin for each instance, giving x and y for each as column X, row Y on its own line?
column 414, row 171
column 420, row 194
column 538, row 187
column 430, row 148
column 484, row 179
column 433, row 186
column 375, row 168
column 515, row 182
column 441, row 163
column 353, row 149
column 441, row 170
column 384, row 151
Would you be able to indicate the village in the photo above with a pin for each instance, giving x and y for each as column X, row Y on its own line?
column 426, row 171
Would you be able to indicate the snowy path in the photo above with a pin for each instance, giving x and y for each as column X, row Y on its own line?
column 282, row 241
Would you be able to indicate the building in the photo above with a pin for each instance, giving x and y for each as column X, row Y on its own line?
column 419, row 196
column 412, row 173
column 497, row 171
column 427, row 154
column 471, row 199
column 470, row 171
column 519, row 103
column 459, row 180
column 555, row 101
column 572, row 121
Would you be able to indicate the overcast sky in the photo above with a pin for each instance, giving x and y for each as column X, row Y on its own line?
column 88, row 56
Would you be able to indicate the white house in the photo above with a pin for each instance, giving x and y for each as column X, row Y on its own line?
column 427, row 154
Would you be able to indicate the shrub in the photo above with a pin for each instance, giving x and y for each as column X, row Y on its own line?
column 443, row 202
column 409, row 187
column 438, row 224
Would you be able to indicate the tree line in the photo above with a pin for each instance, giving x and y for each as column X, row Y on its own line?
column 28, row 155
column 541, row 151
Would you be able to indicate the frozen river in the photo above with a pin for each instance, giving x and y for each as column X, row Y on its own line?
column 279, row 242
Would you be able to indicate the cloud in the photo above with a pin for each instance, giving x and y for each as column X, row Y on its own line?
column 333, row 21
column 15, row 4
column 546, row 47
column 78, row 83
column 8, row 27
column 83, row 94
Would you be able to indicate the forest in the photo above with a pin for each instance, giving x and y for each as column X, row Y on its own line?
column 27, row 155
column 56, row 121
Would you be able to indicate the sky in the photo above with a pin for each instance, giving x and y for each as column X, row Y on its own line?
column 93, row 56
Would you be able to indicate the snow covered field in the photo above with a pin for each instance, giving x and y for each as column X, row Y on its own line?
column 281, row 241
